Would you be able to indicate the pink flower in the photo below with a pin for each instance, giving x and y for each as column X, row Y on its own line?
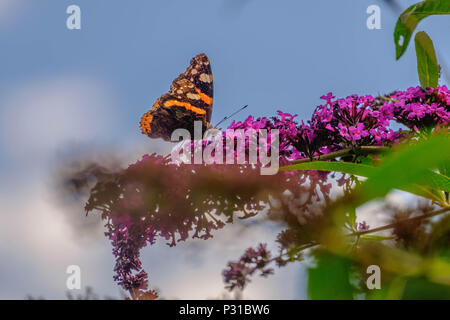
column 358, row 132
column 328, row 98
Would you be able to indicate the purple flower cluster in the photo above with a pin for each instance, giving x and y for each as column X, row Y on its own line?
column 126, row 249
column 155, row 198
column 352, row 122
column 338, row 124
column 238, row 273
column 418, row 109
column 361, row 226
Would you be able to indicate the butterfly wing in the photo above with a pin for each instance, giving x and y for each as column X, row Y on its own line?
column 190, row 99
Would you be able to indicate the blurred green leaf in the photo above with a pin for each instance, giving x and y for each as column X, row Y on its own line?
column 429, row 178
column 352, row 217
column 438, row 270
column 408, row 166
column 330, row 279
column 362, row 170
column 438, row 180
column 410, row 18
column 390, row 290
column 421, row 288
column 370, row 237
column 367, row 160
column 427, row 66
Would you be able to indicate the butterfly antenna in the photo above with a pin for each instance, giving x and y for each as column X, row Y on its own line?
column 234, row 113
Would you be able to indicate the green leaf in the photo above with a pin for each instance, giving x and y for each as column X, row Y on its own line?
column 439, row 181
column 390, row 290
column 371, row 237
column 362, row 170
column 421, row 288
column 427, row 66
column 409, row 166
column 367, row 160
column 410, row 18
column 429, row 178
column 330, row 279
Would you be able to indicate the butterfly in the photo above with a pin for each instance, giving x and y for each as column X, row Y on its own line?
column 189, row 99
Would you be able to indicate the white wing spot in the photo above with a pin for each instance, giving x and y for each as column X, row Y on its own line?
column 205, row 78
column 193, row 96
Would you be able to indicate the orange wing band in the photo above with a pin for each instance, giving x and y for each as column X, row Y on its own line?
column 185, row 105
column 205, row 98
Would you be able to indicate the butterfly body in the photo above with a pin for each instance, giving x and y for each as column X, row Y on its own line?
column 189, row 99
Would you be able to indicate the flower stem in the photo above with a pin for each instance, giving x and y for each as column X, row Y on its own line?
column 343, row 153
column 393, row 225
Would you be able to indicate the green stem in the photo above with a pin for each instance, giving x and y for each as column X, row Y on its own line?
column 343, row 153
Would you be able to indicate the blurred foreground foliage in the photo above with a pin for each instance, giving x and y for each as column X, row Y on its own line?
column 415, row 258
column 154, row 199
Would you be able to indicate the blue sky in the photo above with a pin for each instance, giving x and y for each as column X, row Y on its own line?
column 63, row 90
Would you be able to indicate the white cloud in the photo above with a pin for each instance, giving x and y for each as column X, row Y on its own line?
column 36, row 241
column 38, row 117
column 36, row 234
